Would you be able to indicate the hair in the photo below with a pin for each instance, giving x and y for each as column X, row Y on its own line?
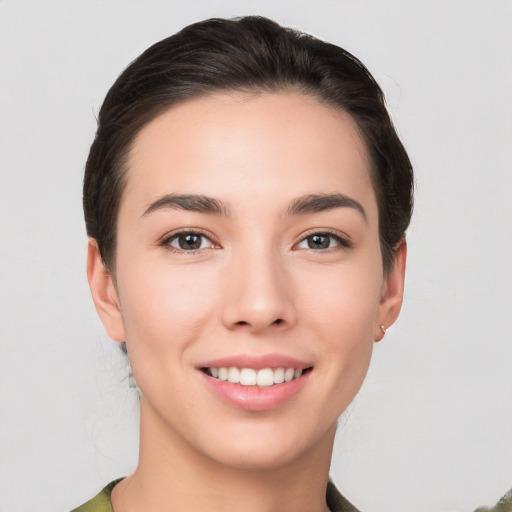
column 250, row 54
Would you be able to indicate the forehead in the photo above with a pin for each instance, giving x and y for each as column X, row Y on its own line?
column 236, row 146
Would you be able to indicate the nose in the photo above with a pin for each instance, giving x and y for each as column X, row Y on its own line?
column 258, row 294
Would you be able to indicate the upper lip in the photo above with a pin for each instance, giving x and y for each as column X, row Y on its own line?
column 257, row 362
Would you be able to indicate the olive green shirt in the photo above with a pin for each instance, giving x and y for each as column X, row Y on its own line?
column 335, row 501
column 102, row 503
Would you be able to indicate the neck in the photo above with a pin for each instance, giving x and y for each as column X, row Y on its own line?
column 172, row 475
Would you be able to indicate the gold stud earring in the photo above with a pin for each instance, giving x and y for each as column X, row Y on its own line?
column 383, row 329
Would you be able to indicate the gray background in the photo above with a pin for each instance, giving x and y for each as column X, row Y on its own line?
column 432, row 428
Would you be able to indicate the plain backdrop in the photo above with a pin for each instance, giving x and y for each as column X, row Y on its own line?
column 431, row 430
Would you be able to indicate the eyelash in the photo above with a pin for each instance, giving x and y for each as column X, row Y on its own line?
column 343, row 242
column 166, row 241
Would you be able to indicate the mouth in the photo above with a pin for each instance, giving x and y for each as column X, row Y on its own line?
column 256, row 382
column 261, row 378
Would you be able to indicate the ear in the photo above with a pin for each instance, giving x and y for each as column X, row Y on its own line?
column 392, row 292
column 104, row 293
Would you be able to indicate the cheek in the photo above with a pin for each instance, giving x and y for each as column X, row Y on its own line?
column 342, row 302
column 340, row 312
column 164, row 308
column 347, row 347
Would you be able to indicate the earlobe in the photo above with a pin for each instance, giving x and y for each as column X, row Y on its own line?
column 104, row 293
column 392, row 292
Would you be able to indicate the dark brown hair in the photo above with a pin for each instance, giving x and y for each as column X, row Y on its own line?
column 249, row 54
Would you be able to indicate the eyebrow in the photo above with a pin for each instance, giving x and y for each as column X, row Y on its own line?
column 315, row 203
column 312, row 203
column 189, row 202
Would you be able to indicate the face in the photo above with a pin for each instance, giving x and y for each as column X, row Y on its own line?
column 248, row 250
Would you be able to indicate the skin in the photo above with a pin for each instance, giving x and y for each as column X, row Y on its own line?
column 254, row 287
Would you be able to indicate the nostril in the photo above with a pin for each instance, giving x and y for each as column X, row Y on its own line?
column 278, row 321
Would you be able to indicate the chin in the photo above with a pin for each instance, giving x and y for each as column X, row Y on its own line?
column 255, row 458
column 268, row 451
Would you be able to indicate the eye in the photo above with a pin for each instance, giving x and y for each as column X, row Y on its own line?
column 188, row 241
column 322, row 241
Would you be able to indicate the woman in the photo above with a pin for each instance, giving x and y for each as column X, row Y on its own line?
column 246, row 198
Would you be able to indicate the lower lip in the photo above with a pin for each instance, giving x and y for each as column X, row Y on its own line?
column 253, row 398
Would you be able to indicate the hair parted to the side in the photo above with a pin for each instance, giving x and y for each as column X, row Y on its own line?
column 250, row 54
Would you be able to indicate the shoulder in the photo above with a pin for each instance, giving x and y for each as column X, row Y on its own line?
column 101, row 502
column 504, row 505
column 336, row 502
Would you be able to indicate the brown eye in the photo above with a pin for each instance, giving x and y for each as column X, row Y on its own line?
column 319, row 241
column 189, row 241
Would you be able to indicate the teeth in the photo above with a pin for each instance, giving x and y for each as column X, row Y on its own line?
column 250, row 377
column 278, row 375
column 234, row 375
column 288, row 374
column 265, row 377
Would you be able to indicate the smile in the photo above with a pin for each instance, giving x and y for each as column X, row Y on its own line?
column 264, row 377
column 256, row 382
